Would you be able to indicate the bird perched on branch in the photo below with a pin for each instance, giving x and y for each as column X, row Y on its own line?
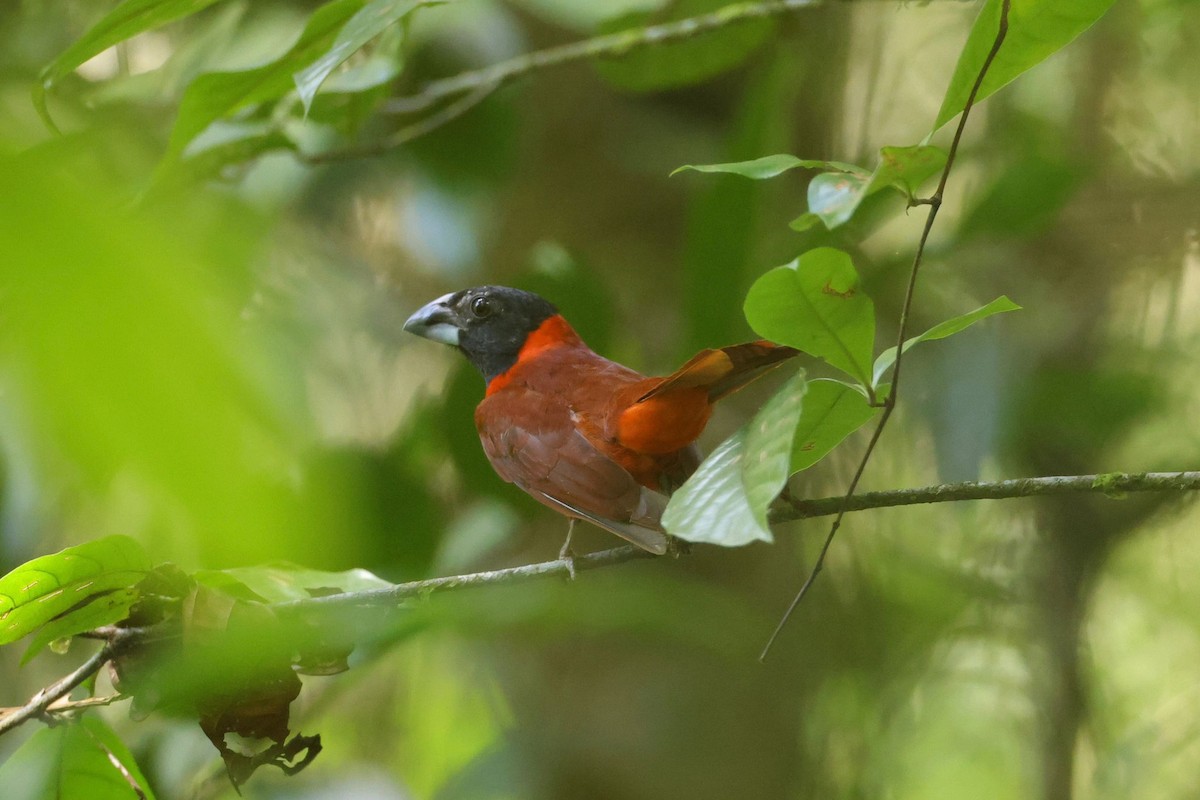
column 586, row 436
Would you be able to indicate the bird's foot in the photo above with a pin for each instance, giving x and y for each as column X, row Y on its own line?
column 565, row 554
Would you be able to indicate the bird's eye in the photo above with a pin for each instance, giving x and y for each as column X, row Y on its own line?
column 481, row 307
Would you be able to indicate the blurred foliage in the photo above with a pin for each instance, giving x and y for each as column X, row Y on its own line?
column 200, row 349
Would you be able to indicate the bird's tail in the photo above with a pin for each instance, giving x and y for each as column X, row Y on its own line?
column 722, row 372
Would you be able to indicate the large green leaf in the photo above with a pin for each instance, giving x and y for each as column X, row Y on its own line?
column 364, row 26
column 727, row 499
column 125, row 21
column 768, row 444
column 42, row 589
column 712, row 505
column 832, row 411
column 815, row 304
column 1036, row 30
column 217, row 94
column 944, row 329
column 835, row 196
column 666, row 66
column 770, row 166
column 73, row 761
column 130, row 358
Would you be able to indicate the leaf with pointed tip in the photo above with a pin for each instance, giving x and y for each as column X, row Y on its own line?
column 1036, row 30
column 124, row 22
column 364, row 26
column 214, row 95
column 944, row 329
column 770, row 166
column 40, row 590
column 816, row 305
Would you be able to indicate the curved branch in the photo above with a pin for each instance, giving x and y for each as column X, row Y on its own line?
column 611, row 45
column 40, row 702
column 471, row 88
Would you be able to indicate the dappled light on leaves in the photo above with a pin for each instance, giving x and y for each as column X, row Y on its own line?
column 289, row 568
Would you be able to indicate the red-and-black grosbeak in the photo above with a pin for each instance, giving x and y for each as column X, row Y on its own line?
column 586, row 436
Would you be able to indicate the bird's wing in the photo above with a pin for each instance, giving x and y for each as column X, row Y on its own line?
column 532, row 441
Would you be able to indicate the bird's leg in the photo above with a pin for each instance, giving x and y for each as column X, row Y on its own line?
column 565, row 553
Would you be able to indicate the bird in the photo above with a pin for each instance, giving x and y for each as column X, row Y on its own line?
column 586, row 436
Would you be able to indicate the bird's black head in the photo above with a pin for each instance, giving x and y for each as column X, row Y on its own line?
column 488, row 323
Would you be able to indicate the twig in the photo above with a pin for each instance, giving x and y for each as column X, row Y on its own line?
column 70, row 706
column 427, row 125
column 935, row 204
column 389, row 595
column 611, row 45
column 38, row 704
column 478, row 85
column 1111, row 484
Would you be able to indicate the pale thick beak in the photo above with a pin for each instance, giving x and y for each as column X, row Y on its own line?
column 436, row 321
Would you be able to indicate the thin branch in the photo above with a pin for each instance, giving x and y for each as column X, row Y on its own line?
column 477, row 85
column 401, row 591
column 935, row 204
column 426, row 125
column 612, row 45
column 38, row 704
column 70, row 706
column 1113, row 484
column 48, row 701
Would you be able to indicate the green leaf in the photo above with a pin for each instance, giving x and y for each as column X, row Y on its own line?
column 217, row 94
column 123, row 22
column 222, row 145
column 832, row 411
column 835, row 196
column 815, row 304
column 364, row 26
column 768, row 445
column 727, row 499
column 712, row 505
column 104, row 609
column 284, row 581
column 1036, row 30
column 805, row 221
column 770, row 166
column 681, row 63
column 42, row 589
column 944, row 329
column 73, row 761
